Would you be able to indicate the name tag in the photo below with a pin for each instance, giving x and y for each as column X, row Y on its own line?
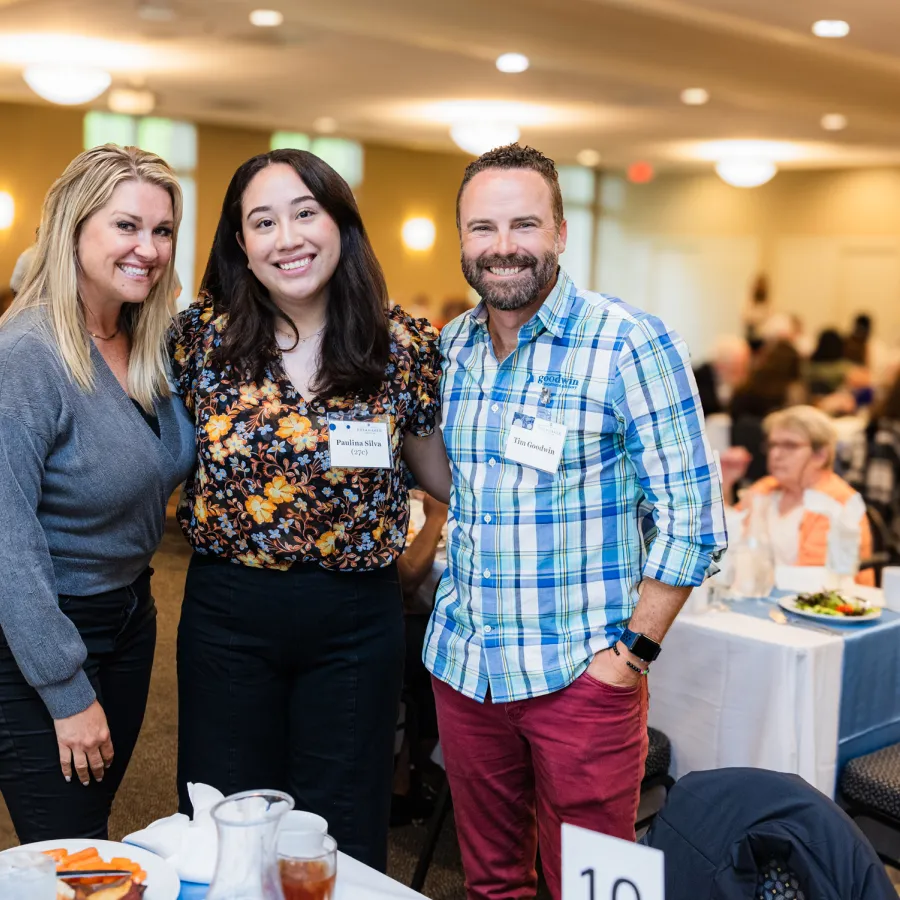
column 354, row 444
column 535, row 442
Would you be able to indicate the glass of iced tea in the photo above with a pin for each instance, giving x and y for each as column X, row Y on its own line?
column 307, row 862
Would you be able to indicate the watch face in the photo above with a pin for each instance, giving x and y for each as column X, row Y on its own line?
column 642, row 647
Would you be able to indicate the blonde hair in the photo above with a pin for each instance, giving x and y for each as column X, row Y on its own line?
column 812, row 423
column 85, row 187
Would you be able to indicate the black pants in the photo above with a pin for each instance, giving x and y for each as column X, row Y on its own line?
column 119, row 631
column 291, row 680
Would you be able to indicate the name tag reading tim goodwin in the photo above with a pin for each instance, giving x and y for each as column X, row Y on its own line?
column 354, row 444
column 535, row 442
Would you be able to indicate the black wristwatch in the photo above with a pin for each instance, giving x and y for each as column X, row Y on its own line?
column 640, row 645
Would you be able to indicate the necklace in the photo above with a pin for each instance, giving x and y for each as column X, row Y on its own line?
column 102, row 337
column 303, row 340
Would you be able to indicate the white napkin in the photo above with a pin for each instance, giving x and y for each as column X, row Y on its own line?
column 844, row 530
column 190, row 846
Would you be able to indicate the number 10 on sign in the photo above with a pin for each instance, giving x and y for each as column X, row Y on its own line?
column 598, row 867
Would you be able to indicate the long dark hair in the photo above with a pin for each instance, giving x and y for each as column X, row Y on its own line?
column 356, row 342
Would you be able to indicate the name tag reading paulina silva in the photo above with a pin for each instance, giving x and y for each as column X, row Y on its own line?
column 360, row 442
column 535, row 442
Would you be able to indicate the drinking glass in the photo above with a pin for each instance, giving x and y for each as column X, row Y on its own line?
column 25, row 875
column 308, row 865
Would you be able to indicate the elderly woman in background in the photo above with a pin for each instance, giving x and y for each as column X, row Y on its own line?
column 800, row 450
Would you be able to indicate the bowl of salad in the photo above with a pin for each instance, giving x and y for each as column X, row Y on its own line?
column 831, row 606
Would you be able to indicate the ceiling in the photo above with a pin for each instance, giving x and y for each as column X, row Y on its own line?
column 605, row 74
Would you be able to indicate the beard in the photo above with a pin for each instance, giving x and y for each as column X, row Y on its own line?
column 518, row 291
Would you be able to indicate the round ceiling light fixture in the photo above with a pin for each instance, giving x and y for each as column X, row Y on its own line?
column 830, row 28
column 746, row 172
column 67, row 85
column 266, row 18
column 695, row 96
column 834, row 122
column 513, row 63
column 479, row 137
column 588, row 158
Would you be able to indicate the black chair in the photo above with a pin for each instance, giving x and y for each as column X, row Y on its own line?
column 881, row 544
column 729, row 832
column 656, row 774
column 870, row 788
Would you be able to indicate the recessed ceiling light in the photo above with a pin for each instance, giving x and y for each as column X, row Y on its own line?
column 156, row 12
column 695, row 96
column 131, row 102
column 512, row 63
column 834, row 122
column 325, row 125
column 266, row 18
column 830, row 28
column 588, row 158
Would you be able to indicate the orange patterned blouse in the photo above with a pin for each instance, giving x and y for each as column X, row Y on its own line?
column 263, row 492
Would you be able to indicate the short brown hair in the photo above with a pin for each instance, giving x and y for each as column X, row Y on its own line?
column 513, row 156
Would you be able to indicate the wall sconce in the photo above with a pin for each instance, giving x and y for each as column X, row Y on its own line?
column 7, row 210
column 418, row 234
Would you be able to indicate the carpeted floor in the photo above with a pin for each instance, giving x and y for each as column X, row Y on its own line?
column 148, row 792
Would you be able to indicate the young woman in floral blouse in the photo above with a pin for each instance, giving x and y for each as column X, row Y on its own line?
column 290, row 648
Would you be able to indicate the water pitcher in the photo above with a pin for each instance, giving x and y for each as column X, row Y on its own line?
column 247, row 863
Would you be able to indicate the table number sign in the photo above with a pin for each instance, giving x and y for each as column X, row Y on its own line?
column 598, row 867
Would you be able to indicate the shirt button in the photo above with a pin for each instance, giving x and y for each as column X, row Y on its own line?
column 495, row 407
column 486, row 573
column 492, row 462
column 488, row 629
column 487, row 518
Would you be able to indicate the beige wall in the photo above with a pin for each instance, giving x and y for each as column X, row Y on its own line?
column 219, row 152
column 400, row 184
column 687, row 247
column 37, row 144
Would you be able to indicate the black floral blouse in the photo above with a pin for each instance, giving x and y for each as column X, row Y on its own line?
column 263, row 492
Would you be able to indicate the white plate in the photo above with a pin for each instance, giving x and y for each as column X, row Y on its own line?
column 790, row 604
column 162, row 880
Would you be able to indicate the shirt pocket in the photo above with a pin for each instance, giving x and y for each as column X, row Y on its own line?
column 593, row 436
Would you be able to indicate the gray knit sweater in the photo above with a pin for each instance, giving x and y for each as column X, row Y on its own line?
column 84, row 483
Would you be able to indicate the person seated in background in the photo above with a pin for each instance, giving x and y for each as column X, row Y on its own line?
column 800, row 452
column 774, row 383
column 411, row 798
column 827, row 369
column 20, row 270
column 873, row 466
column 728, row 369
column 450, row 309
column 856, row 345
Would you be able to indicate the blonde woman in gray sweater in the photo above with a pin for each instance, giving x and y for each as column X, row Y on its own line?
column 91, row 446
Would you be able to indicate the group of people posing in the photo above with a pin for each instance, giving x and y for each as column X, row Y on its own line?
column 562, row 426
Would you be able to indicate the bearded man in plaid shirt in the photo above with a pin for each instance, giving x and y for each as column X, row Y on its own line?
column 586, row 505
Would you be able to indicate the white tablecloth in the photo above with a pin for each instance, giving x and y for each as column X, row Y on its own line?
column 731, row 690
column 356, row 881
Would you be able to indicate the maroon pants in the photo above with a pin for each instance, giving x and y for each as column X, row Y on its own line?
column 519, row 770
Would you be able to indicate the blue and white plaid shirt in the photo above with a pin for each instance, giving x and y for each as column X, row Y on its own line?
column 543, row 570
